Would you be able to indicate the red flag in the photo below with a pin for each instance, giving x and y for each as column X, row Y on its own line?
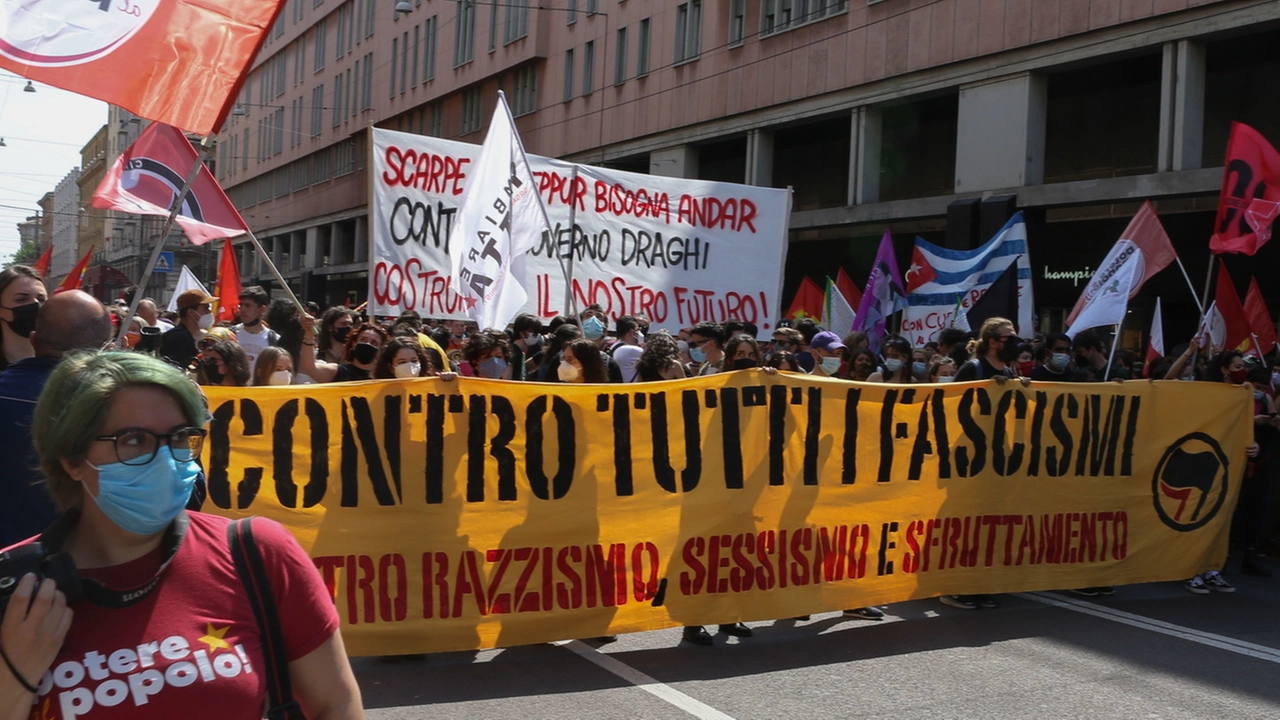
column 807, row 302
column 920, row 272
column 1156, row 252
column 1250, row 199
column 180, row 62
column 228, row 285
column 148, row 176
column 1255, row 311
column 73, row 278
column 1155, row 350
column 845, row 285
column 42, row 265
column 1228, row 303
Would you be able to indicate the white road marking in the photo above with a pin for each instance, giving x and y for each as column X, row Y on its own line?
column 649, row 684
column 1221, row 642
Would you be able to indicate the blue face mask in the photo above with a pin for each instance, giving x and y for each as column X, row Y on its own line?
column 697, row 354
column 918, row 369
column 493, row 368
column 144, row 499
column 593, row 329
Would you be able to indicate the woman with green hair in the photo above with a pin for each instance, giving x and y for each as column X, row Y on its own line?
column 165, row 627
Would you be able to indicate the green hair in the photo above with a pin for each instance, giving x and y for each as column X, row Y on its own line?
column 73, row 408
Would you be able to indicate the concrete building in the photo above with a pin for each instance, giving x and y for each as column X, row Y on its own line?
column 936, row 118
column 65, row 227
column 91, row 233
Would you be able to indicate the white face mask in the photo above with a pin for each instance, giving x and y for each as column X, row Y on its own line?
column 682, row 346
column 408, row 370
column 534, row 340
column 639, row 338
column 830, row 365
column 280, row 377
column 206, row 321
column 567, row 372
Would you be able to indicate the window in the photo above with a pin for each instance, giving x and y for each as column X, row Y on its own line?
column 277, row 145
column 620, row 58
column 282, row 63
column 348, row 96
column 404, row 59
column 413, row 57
column 437, row 120
column 568, row 75
column 737, row 21
column 464, row 40
column 493, row 26
column 395, row 54
column 642, row 49
column 344, row 21
column 355, row 90
column 338, row 110
column 592, row 7
column 472, row 110
column 367, row 98
column 429, row 49
column 293, row 122
column 517, row 21
column 244, row 156
column 524, row 90
column 370, row 17
column 320, row 39
column 688, row 30
column 317, row 109
column 779, row 15
column 588, row 67
column 299, row 56
column 571, row 9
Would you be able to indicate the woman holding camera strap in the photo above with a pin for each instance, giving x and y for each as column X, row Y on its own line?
column 166, row 627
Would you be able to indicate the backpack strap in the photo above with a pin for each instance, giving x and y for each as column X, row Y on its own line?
column 977, row 368
column 253, row 575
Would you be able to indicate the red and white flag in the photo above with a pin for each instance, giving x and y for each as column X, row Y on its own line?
column 500, row 220
column 1144, row 234
column 1260, row 323
column 1250, row 200
column 180, row 62
column 1155, row 349
column 150, row 174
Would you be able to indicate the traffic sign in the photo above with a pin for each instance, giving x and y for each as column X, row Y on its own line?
column 164, row 263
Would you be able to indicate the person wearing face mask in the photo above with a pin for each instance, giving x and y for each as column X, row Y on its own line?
column 861, row 365
column 581, row 362
column 1055, row 365
column 21, row 293
column 921, row 359
column 331, row 341
column 742, row 353
column 897, row 369
column 251, row 333
column 628, row 345
column 995, row 349
column 358, row 359
column 70, row 321
column 274, row 366
column 527, row 331
column 402, row 358
column 942, row 370
column 118, row 435
column 706, row 348
column 223, row 363
column 485, row 355
column 195, row 317
column 827, row 353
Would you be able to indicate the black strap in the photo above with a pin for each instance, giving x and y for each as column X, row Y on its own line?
column 253, row 574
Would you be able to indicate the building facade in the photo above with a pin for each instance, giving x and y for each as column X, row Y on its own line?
column 65, row 224
column 936, row 118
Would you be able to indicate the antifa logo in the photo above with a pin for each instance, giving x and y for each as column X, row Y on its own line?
column 1190, row 483
column 159, row 184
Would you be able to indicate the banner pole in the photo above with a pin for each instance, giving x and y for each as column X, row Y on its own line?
column 570, row 302
column 201, row 156
column 262, row 253
column 1190, row 285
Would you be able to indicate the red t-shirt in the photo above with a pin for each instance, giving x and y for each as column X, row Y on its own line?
column 191, row 648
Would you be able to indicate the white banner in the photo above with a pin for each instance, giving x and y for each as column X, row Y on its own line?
column 1106, row 298
column 679, row 251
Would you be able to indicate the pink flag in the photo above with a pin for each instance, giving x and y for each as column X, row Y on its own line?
column 150, row 174
column 1154, row 251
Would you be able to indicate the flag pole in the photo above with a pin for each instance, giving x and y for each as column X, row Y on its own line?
column 1106, row 372
column 262, row 253
column 178, row 199
column 542, row 205
column 1191, row 286
column 569, row 300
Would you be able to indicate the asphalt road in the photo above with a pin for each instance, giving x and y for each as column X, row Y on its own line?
column 1150, row 651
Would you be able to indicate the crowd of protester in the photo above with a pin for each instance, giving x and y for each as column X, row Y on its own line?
column 276, row 343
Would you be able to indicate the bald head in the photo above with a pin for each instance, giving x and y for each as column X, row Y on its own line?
column 147, row 310
column 68, row 321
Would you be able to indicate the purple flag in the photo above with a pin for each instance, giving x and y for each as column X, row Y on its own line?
column 883, row 296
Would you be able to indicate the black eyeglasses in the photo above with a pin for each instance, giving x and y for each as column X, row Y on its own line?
column 135, row 446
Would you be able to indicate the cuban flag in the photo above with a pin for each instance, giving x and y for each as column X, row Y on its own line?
column 943, row 282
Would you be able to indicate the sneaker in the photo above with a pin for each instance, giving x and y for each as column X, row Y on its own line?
column 986, row 601
column 1214, row 581
column 866, row 613
column 1086, row 592
column 1196, row 586
column 960, row 601
column 1105, row 590
column 737, row 630
column 698, row 635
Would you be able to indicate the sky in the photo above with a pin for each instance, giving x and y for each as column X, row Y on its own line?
column 43, row 133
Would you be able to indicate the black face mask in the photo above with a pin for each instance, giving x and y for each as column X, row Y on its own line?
column 252, row 323
column 24, row 319
column 340, row 333
column 1008, row 351
column 743, row 364
column 364, row 353
column 212, row 372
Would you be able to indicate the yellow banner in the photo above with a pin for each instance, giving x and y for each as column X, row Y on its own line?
column 474, row 514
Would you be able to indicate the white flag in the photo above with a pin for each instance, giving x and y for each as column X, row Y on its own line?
column 186, row 281
column 1157, row 331
column 1106, row 298
column 500, row 220
column 1213, row 330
